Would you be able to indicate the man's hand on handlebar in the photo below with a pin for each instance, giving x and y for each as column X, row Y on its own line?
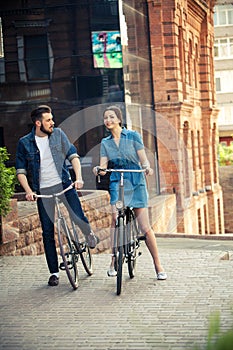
column 31, row 196
column 78, row 184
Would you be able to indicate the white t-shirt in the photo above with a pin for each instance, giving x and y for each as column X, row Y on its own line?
column 48, row 172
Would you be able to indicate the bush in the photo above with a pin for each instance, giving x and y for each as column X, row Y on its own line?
column 225, row 154
column 217, row 340
column 7, row 182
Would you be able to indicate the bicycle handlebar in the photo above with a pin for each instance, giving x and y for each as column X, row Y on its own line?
column 55, row 194
column 98, row 170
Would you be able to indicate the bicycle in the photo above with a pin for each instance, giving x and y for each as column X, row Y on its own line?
column 126, row 236
column 70, row 243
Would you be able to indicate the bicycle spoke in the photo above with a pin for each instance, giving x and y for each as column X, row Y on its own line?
column 67, row 250
column 132, row 232
column 86, row 257
column 83, row 250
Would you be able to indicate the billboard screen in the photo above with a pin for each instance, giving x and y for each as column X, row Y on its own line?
column 106, row 49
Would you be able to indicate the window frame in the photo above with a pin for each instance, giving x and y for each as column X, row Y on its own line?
column 28, row 58
column 220, row 46
column 227, row 12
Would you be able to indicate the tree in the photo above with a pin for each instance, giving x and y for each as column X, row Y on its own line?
column 7, row 182
column 225, row 154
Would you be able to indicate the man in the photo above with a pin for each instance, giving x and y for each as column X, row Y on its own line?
column 41, row 157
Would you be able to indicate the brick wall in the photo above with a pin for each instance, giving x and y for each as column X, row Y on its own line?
column 22, row 231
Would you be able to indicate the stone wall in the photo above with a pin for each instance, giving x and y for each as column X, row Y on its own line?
column 22, row 235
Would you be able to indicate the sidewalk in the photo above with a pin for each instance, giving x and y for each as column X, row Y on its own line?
column 149, row 314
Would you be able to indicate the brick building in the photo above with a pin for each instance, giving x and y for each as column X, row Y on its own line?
column 223, row 53
column 154, row 58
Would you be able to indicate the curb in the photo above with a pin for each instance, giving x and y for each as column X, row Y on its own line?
column 222, row 237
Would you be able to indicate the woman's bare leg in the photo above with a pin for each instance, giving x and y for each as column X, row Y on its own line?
column 143, row 222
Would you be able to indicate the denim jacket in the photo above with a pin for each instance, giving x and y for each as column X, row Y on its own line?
column 28, row 156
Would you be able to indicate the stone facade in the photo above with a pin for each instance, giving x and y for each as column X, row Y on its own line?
column 182, row 40
column 9, row 225
column 25, row 229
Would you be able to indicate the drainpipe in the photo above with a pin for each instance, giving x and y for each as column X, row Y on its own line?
column 157, row 175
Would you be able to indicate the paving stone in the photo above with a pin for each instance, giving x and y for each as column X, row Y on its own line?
column 149, row 314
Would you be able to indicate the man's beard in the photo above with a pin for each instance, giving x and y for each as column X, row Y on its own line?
column 45, row 131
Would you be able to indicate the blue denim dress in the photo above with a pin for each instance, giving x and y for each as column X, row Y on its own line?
column 125, row 156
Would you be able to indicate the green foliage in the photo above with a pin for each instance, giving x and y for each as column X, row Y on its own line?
column 216, row 339
column 225, row 154
column 7, row 182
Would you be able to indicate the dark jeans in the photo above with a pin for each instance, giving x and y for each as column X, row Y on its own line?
column 46, row 209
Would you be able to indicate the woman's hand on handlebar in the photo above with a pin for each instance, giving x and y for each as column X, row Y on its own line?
column 96, row 170
column 149, row 171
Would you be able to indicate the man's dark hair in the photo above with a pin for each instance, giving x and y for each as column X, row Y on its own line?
column 36, row 114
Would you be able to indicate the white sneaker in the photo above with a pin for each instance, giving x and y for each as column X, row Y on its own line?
column 111, row 272
column 161, row 276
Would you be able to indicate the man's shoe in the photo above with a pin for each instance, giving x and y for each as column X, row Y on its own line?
column 92, row 240
column 53, row 281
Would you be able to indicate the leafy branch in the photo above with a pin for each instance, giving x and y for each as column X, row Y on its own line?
column 7, row 182
column 225, row 154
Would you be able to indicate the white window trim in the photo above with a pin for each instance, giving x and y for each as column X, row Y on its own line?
column 223, row 8
column 228, row 44
column 21, row 63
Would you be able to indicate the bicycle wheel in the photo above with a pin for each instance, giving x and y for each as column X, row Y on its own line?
column 84, row 252
column 132, row 232
column 67, row 250
column 86, row 258
column 120, row 257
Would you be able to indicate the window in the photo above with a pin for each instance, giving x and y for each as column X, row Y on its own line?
column 105, row 8
column 218, row 84
column 224, row 81
column 36, row 57
column 104, row 15
column 89, row 87
column 225, row 115
column 223, row 15
column 223, row 48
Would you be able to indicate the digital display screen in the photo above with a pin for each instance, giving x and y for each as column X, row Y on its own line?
column 106, row 49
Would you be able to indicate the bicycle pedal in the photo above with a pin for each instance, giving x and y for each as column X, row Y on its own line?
column 141, row 238
column 62, row 265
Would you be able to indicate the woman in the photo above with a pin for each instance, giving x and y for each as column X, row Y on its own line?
column 125, row 149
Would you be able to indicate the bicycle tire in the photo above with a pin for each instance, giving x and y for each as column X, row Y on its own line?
column 120, row 257
column 132, row 244
column 86, row 258
column 67, row 251
column 84, row 251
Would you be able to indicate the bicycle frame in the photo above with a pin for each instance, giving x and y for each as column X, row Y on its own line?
column 69, row 236
column 60, row 217
column 123, row 247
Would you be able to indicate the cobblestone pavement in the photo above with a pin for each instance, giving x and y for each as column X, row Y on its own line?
column 149, row 314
